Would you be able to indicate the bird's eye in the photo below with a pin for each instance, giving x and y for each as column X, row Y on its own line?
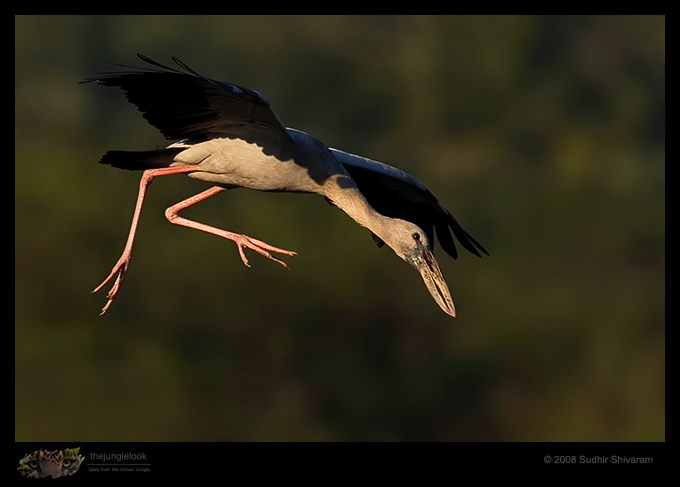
column 415, row 236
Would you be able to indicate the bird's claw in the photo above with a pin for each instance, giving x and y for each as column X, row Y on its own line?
column 242, row 241
column 119, row 271
column 261, row 248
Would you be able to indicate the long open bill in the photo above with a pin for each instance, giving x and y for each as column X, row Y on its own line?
column 434, row 280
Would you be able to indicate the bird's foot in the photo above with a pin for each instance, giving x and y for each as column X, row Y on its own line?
column 118, row 271
column 258, row 246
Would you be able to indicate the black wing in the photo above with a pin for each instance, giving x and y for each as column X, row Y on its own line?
column 186, row 105
column 394, row 193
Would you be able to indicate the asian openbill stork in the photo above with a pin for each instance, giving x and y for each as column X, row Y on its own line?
column 230, row 137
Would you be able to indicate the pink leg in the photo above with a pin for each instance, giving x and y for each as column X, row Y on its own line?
column 121, row 266
column 241, row 240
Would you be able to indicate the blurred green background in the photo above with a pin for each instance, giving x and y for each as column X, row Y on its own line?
column 544, row 136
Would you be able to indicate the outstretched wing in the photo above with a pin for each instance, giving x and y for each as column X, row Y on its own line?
column 182, row 104
column 395, row 193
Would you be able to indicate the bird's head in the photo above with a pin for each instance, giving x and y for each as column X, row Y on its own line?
column 411, row 244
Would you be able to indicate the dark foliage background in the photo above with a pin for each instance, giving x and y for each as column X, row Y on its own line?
column 544, row 136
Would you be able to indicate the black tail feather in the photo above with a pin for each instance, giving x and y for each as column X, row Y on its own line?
column 140, row 160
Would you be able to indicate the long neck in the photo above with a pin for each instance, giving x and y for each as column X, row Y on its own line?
column 332, row 180
column 345, row 194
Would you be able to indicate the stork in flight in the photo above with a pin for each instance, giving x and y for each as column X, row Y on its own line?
column 230, row 137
